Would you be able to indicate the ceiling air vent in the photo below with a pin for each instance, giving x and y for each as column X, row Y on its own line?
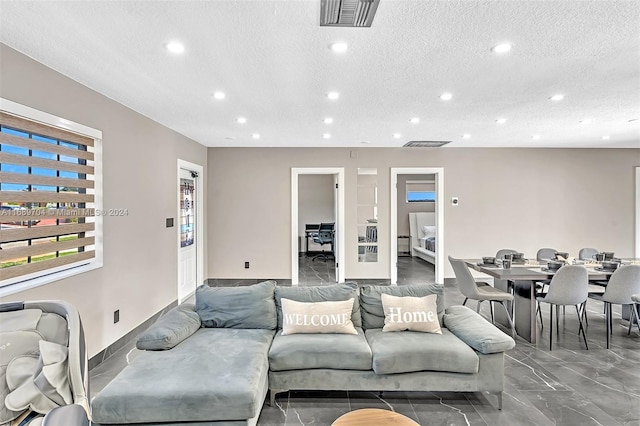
column 425, row 144
column 347, row 13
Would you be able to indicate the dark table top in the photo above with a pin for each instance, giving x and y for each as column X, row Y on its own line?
column 527, row 272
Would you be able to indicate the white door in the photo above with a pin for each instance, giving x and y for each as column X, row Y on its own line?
column 187, row 251
column 439, row 173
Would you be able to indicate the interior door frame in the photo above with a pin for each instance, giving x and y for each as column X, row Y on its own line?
column 186, row 165
column 340, row 224
column 439, row 176
column 637, row 238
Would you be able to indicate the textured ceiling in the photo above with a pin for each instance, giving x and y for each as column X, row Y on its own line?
column 272, row 59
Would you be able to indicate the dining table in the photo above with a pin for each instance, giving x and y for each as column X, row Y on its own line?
column 520, row 280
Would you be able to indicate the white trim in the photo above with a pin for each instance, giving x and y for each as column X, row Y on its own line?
column 340, row 224
column 40, row 278
column 439, row 174
column 185, row 165
column 637, row 255
column 50, row 119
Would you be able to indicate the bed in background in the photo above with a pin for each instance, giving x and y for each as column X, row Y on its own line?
column 422, row 227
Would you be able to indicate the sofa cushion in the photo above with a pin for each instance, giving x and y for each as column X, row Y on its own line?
column 333, row 292
column 317, row 317
column 371, row 301
column 216, row 374
column 170, row 329
column 476, row 331
column 308, row 351
column 409, row 351
column 411, row 313
column 237, row 307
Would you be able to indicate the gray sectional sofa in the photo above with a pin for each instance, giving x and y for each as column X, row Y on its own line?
column 213, row 363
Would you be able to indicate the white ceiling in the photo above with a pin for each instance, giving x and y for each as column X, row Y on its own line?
column 272, row 59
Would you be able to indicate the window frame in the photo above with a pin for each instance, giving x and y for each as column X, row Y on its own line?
column 412, row 185
column 36, row 279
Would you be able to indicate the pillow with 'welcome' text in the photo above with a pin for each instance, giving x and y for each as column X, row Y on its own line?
column 411, row 313
column 317, row 317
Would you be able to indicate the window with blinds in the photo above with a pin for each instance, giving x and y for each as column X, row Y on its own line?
column 421, row 191
column 47, row 199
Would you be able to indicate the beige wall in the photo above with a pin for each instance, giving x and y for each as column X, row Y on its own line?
column 519, row 198
column 140, row 165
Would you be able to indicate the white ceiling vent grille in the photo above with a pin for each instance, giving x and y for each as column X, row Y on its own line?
column 347, row 13
column 425, row 144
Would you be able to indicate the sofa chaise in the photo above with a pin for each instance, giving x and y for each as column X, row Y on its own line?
column 213, row 362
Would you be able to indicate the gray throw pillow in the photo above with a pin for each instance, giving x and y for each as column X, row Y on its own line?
column 371, row 307
column 476, row 331
column 170, row 329
column 237, row 307
column 327, row 293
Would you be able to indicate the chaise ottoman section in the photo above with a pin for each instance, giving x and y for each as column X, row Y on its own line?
column 310, row 351
column 410, row 351
column 217, row 373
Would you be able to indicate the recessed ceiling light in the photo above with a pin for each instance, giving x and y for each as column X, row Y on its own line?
column 466, row 136
column 333, row 95
column 328, row 120
column 397, row 135
column 501, row 48
column 175, row 47
column 326, row 135
column 557, row 97
column 241, row 120
column 632, row 120
column 446, row 96
column 365, row 142
column 256, row 135
column 339, row 47
column 606, row 137
column 414, row 120
column 219, row 95
column 230, row 138
column 585, row 121
column 535, row 137
column 501, row 120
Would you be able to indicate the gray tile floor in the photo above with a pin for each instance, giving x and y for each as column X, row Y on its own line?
column 566, row 386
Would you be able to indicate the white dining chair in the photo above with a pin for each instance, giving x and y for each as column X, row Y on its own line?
column 569, row 286
column 468, row 287
column 623, row 284
column 636, row 305
column 587, row 253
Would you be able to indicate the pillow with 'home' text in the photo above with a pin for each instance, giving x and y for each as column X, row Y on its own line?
column 411, row 313
column 317, row 317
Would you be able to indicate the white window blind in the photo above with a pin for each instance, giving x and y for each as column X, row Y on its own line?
column 47, row 199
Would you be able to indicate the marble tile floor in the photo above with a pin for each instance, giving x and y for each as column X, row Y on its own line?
column 566, row 386
column 410, row 270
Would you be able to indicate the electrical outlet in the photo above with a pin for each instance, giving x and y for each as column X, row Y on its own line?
column 246, row 265
column 116, row 316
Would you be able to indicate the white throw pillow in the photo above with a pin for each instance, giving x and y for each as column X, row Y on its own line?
column 429, row 231
column 411, row 313
column 317, row 317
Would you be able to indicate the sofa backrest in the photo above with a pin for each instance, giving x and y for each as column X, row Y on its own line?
column 328, row 293
column 371, row 300
column 237, row 307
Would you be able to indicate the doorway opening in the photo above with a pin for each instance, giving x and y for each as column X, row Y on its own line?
column 417, row 220
column 317, row 222
column 190, row 220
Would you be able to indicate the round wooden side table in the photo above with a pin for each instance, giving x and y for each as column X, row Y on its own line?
column 373, row 416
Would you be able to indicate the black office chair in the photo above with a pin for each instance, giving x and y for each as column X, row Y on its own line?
column 323, row 237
